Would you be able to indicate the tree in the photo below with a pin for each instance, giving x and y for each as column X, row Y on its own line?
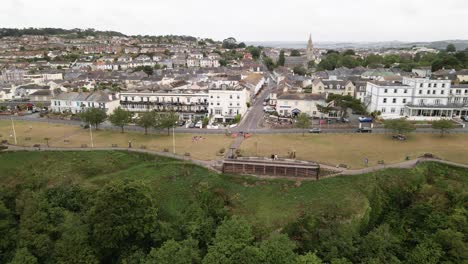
column 399, row 126
column 443, row 125
column 281, row 59
column 345, row 102
column 123, row 215
column 427, row 252
column 295, row 53
column 172, row 252
column 268, row 63
column 241, row 45
column 8, row 231
column 73, row 245
column 166, row 121
column 94, row 116
column 120, row 118
column 23, row 256
column 232, row 236
column 451, row 48
column 299, row 70
column 229, row 43
column 309, row 258
column 278, row 249
column 349, row 52
column 147, row 120
column 146, row 69
column 311, row 64
column 303, row 122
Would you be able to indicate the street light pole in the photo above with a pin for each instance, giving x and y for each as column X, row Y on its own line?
column 91, row 135
column 14, row 131
column 173, row 140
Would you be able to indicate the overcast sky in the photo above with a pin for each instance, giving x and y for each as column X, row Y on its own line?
column 251, row 20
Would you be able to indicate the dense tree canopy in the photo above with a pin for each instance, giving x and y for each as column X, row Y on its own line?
column 410, row 216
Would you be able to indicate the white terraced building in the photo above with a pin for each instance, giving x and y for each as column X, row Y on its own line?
column 226, row 102
column 414, row 98
column 189, row 104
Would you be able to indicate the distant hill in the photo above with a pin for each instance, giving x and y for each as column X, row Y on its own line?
column 459, row 44
column 16, row 32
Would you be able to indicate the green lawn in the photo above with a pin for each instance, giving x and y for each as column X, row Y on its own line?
column 267, row 204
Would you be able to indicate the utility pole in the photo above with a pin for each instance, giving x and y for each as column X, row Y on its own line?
column 91, row 135
column 173, row 140
column 14, row 131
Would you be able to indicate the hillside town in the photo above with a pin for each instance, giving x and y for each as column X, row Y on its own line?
column 247, row 132
column 220, row 82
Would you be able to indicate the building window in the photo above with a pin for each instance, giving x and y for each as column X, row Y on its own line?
column 433, row 91
column 437, row 102
column 394, row 100
column 392, row 110
column 421, row 85
column 429, row 85
column 443, row 85
column 428, row 91
column 395, row 90
column 383, row 110
column 385, row 91
column 385, row 100
column 442, row 92
column 421, row 101
column 405, row 91
column 420, row 91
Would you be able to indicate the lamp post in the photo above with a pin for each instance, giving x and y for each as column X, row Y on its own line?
column 173, row 140
column 14, row 131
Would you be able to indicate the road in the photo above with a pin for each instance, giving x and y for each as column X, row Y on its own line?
column 243, row 127
column 255, row 114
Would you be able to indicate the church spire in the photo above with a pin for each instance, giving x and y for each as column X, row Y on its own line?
column 310, row 49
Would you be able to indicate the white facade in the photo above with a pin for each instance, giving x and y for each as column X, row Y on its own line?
column 187, row 104
column 77, row 103
column 414, row 98
column 226, row 104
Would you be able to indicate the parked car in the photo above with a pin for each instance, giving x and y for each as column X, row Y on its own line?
column 181, row 122
column 191, row 125
column 464, row 118
column 363, row 119
column 364, row 130
column 344, row 120
column 199, row 124
column 268, row 109
column 315, row 130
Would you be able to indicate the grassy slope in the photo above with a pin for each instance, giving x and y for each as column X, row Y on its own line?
column 268, row 204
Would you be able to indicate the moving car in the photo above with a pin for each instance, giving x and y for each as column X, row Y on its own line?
column 363, row 119
column 315, row 130
column 364, row 130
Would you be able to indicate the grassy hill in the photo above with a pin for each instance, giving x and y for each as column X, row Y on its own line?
column 267, row 204
column 411, row 215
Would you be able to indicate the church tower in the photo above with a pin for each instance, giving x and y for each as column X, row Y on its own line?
column 310, row 49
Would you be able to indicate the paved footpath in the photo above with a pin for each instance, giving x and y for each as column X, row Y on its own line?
column 214, row 165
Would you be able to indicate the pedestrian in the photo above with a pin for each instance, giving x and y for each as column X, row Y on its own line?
column 129, row 144
column 366, row 161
